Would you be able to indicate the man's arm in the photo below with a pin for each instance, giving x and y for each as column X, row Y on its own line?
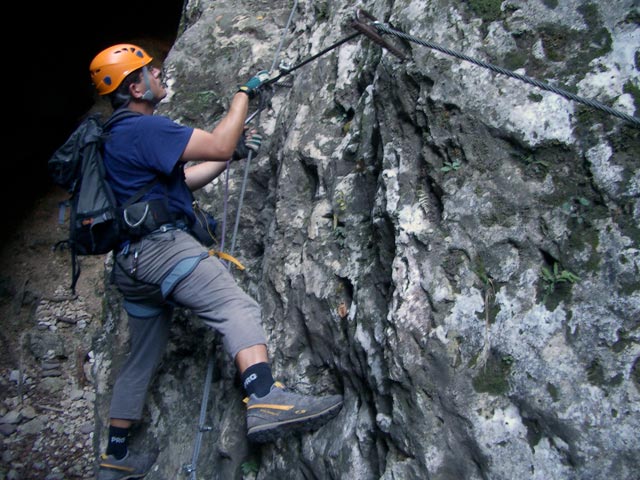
column 219, row 144
column 214, row 148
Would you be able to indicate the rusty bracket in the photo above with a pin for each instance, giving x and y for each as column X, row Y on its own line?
column 365, row 24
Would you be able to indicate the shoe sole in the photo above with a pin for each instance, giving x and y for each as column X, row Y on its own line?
column 111, row 470
column 133, row 476
column 272, row 431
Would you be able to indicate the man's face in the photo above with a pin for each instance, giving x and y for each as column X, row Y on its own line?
column 154, row 77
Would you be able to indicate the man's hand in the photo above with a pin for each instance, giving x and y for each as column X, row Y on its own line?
column 246, row 143
column 253, row 142
column 252, row 85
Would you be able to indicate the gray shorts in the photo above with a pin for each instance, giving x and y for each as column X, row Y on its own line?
column 166, row 269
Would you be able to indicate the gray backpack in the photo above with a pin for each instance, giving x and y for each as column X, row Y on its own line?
column 96, row 220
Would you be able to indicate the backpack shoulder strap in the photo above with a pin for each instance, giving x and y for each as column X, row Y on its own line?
column 115, row 117
column 140, row 193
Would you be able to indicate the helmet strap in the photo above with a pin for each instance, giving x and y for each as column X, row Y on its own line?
column 148, row 94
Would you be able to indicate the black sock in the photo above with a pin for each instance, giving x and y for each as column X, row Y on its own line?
column 118, row 440
column 257, row 379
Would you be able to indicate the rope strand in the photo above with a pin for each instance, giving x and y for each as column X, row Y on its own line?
column 283, row 36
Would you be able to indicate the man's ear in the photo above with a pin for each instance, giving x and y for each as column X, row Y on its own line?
column 134, row 90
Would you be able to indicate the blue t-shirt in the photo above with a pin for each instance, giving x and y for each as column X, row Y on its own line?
column 143, row 147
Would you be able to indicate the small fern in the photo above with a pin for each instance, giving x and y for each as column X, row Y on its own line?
column 249, row 467
column 554, row 277
column 451, row 166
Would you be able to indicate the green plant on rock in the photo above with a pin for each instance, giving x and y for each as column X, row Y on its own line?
column 340, row 207
column 533, row 162
column 341, row 202
column 487, row 10
column 493, row 377
column 451, row 166
column 206, row 97
column 575, row 208
column 249, row 467
column 340, row 235
column 552, row 278
column 535, row 97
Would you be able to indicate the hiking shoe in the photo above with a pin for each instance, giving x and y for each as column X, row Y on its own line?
column 133, row 465
column 282, row 412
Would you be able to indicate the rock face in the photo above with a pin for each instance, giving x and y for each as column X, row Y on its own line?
column 454, row 250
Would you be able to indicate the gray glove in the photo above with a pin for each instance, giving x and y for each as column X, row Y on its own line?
column 245, row 145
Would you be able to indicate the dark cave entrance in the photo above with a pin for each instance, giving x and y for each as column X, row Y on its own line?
column 47, row 86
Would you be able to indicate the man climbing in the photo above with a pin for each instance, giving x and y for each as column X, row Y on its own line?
column 168, row 267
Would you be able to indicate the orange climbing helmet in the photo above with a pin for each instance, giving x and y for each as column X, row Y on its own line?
column 113, row 64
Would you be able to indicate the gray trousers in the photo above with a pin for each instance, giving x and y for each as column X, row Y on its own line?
column 156, row 273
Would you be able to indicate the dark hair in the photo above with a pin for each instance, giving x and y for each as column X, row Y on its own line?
column 121, row 97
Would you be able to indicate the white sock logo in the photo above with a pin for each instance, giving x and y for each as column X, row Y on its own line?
column 250, row 379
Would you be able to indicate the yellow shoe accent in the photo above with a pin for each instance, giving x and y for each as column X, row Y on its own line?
column 271, row 406
column 112, row 466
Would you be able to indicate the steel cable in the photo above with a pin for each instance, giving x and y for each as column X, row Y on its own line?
column 532, row 81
